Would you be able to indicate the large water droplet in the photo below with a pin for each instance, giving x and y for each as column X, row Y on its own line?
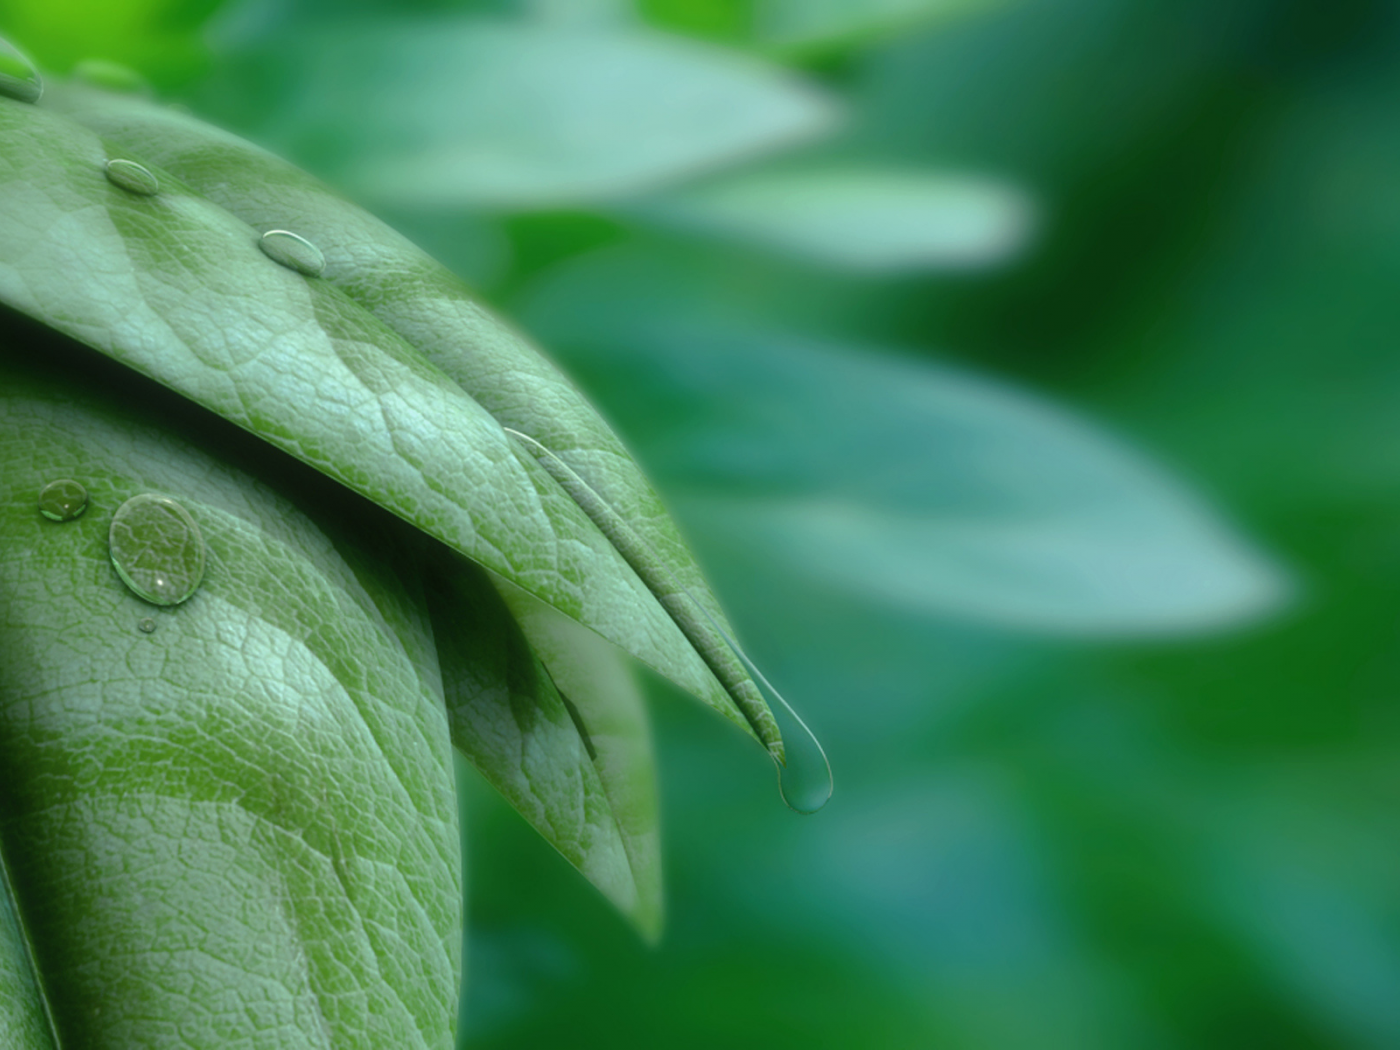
column 112, row 76
column 804, row 772
column 293, row 252
column 157, row 549
column 18, row 76
column 63, row 500
column 132, row 177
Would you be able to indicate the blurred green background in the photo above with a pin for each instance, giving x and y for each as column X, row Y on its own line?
column 1025, row 374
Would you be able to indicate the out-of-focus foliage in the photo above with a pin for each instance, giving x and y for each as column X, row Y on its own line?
column 1036, row 843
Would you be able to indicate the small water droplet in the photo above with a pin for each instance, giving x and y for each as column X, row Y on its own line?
column 146, row 626
column 293, row 252
column 157, row 549
column 132, row 177
column 63, row 500
column 18, row 77
column 113, row 76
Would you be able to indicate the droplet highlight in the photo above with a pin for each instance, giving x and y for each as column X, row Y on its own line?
column 146, row 626
column 293, row 252
column 112, row 76
column 157, row 549
column 132, row 177
column 19, row 78
column 63, row 500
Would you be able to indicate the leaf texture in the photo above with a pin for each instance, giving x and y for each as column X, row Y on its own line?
column 173, row 285
column 562, row 735
column 229, row 822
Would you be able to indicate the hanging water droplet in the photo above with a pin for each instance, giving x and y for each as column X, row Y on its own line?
column 112, row 76
column 157, row 549
column 804, row 772
column 146, row 626
column 132, row 177
column 63, row 500
column 293, row 252
column 18, row 77
column 805, row 781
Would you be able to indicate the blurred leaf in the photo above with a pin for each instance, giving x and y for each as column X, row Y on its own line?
column 869, row 220
column 188, row 299
column 901, row 482
column 232, row 819
column 803, row 24
column 470, row 112
column 551, row 755
column 1307, row 880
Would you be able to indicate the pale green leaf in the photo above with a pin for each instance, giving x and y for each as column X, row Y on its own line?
column 577, row 766
column 803, row 26
column 229, row 822
column 515, row 115
column 603, row 696
column 174, row 286
column 870, row 220
column 901, row 481
column 807, row 23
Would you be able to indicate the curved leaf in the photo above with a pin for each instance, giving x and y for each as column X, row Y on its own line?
column 870, row 220
column 824, row 23
column 606, row 703
column 229, row 822
column 578, row 764
column 905, row 482
column 457, row 111
column 24, row 1023
column 174, row 286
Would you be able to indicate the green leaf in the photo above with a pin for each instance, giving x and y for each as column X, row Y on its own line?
column 804, row 25
column 453, row 112
column 576, row 764
column 174, row 286
column 909, row 483
column 868, row 220
column 808, row 23
column 604, row 698
column 231, row 821
column 24, row 1025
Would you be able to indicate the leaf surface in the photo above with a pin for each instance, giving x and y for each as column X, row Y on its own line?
column 229, row 822
column 576, row 763
column 905, row 482
column 870, row 220
column 186, row 297
column 453, row 112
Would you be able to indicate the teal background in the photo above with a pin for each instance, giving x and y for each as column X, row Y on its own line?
column 1060, row 823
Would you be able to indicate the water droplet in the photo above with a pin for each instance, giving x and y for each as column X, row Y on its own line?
column 112, row 76
column 805, row 780
column 804, row 772
column 293, row 252
column 157, row 549
column 18, row 77
column 63, row 500
column 146, row 626
column 132, row 177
